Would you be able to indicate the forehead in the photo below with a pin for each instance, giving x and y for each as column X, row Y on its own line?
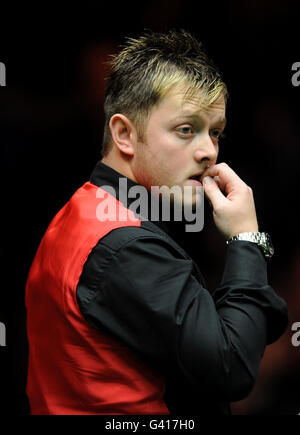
column 177, row 102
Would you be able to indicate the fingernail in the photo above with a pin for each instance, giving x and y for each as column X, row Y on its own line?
column 207, row 179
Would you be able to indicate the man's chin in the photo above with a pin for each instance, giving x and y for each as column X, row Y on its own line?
column 190, row 202
column 180, row 198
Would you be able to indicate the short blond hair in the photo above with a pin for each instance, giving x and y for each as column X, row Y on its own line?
column 148, row 67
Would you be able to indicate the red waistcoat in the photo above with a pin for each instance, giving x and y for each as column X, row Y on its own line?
column 74, row 368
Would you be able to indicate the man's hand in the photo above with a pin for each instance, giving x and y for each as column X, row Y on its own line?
column 232, row 201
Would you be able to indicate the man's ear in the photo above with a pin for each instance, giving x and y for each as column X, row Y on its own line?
column 123, row 133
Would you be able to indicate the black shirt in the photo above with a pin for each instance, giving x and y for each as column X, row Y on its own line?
column 143, row 288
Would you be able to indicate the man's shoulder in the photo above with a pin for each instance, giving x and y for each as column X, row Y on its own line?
column 132, row 248
column 138, row 245
column 123, row 236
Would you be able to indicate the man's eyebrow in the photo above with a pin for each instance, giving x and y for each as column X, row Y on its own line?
column 222, row 121
column 187, row 115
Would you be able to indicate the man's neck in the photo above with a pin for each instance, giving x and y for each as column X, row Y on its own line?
column 119, row 166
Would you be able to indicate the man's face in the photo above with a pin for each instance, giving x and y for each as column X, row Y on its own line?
column 180, row 141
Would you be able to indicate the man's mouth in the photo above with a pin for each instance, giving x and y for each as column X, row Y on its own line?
column 196, row 179
column 196, row 176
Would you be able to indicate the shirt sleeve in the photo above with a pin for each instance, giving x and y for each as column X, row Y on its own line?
column 150, row 298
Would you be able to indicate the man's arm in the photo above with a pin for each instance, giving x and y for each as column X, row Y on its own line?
column 151, row 299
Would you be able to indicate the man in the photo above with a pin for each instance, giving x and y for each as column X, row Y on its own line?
column 118, row 317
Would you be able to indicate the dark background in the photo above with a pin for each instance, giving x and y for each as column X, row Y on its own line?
column 51, row 124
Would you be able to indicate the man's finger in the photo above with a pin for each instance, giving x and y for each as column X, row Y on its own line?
column 220, row 183
column 213, row 191
column 228, row 180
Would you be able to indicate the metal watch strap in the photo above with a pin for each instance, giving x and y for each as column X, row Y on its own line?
column 263, row 240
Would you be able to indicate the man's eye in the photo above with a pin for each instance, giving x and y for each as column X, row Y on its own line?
column 185, row 130
column 217, row 134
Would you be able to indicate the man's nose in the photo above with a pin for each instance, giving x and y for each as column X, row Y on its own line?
column 206, row 151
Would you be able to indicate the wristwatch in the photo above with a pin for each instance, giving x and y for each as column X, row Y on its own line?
column 263, row 240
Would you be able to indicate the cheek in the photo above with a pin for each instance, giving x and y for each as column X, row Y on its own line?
column 165, row 159
column 172, row 169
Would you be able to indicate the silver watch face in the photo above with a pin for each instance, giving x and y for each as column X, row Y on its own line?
column 264, row 241
column 269, row 249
